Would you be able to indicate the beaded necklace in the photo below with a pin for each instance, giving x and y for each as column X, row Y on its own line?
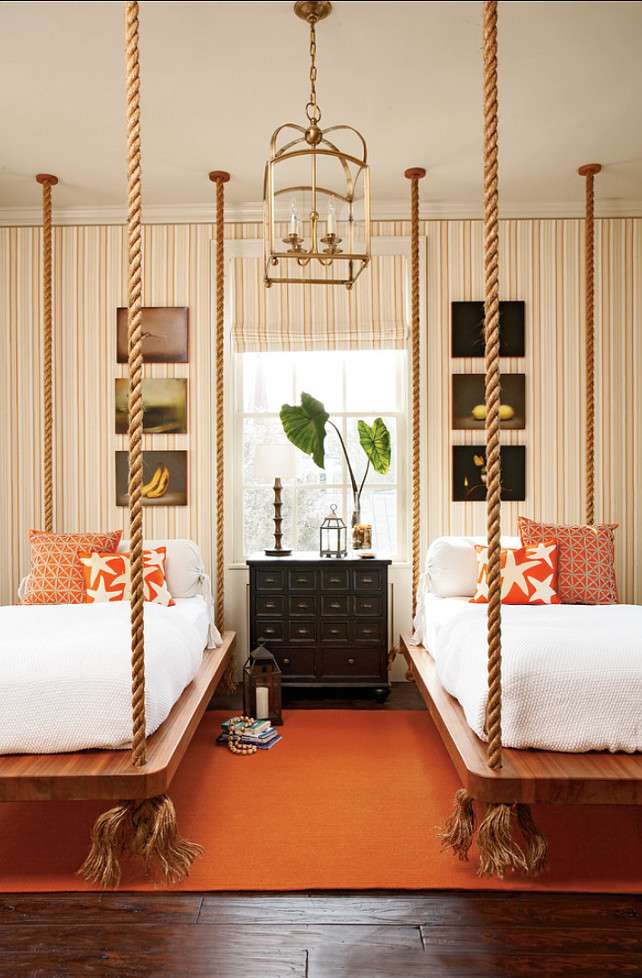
column 237, row 727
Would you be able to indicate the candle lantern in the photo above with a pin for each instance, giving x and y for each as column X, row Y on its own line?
column 262, row 687
column 333, row 536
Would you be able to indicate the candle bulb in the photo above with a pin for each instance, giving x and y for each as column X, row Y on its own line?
column 332, row 220
column 294, row 221
column 262, row 703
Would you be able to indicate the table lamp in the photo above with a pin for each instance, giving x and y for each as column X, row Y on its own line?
column 275, row 462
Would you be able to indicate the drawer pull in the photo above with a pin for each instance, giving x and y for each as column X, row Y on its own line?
column 270, row 580
column 367, row 605
column 367, row 631
column 367, row 580
column 335, row 580
column 302, row 631
column 301, row 606
column 269, row 631
column 269, row 604
column 350, row 662
column 334, row 631
column 286, row 662
column 302, row 580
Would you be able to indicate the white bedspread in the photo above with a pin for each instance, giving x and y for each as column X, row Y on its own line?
column 571, row 674
column 65, row 672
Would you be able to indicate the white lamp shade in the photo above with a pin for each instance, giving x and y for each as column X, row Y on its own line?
column 275, row 462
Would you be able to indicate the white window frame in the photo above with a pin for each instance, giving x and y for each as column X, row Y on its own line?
column 253, row 248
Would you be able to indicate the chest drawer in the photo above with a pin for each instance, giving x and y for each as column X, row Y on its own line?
column 334, row 605
column 302, row 631
column 302, row 604
column 303, row 579
column 295, row 663
column 368, row 579
column 368, row 606
column 270, row 605
column 270, row 579
column 335, row 579
column 351, row 663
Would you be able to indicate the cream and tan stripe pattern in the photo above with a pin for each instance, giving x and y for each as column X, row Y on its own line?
column 371, row 315
column 541, row 262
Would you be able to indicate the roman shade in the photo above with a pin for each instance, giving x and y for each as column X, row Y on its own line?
column 372, row 316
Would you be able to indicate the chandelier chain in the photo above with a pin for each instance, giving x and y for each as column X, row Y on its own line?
column 312, row 109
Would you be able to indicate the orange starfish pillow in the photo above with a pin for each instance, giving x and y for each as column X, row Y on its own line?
column 107, row 577
column 529, row 575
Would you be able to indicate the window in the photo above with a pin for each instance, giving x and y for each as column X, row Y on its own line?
column 351, row 385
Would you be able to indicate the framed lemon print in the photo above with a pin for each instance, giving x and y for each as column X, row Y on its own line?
column 468, row 401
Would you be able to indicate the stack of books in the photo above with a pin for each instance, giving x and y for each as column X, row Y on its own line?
column 261, row 734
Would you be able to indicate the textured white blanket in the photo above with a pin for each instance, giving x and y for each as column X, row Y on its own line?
column 65, row 672
column 571, row 674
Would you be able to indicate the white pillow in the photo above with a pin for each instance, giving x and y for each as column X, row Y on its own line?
column 185, row 575
column 451, row 565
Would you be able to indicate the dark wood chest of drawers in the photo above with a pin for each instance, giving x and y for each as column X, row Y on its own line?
column 324, row 619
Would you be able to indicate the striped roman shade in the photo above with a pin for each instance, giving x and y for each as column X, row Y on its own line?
column 372, row 315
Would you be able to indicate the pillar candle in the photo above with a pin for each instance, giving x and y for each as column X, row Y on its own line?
column 262, row 703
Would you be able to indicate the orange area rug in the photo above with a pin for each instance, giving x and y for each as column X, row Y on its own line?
column 347, row 800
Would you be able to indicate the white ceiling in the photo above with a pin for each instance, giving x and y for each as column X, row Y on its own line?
column 218, row 78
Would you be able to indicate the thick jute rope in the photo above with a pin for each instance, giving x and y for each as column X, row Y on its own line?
column 414, row 174
column 220, row 178
column 146, row 828
column 491, row 269
column 47, row 181
column 498, row 851
column 135, row 367
column 589, row 172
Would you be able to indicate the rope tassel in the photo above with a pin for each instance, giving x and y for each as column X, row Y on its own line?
column 460, row 826
column 498, row 851
column 148, row 829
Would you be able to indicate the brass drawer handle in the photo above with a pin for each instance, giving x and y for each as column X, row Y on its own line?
column 367, row 605
column 350, row 662
column 301, row 606
column 270, row 604
column 302, row 580
column 367, row 631
column 334, row 631
column 335, row 580
column 270, row 580
column 367, row 580
column 269, row 631
column 286, row 662
column 335, row 604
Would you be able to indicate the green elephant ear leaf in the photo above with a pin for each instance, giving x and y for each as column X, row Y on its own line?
column 305, row 426
column 375, row 442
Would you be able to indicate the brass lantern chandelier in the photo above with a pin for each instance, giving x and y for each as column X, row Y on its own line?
column 316, row 196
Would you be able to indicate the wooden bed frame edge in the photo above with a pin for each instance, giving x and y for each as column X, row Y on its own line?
column 109, row 774
column 527, row 776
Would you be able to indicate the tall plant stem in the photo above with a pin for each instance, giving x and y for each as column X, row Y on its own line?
column 353, row 481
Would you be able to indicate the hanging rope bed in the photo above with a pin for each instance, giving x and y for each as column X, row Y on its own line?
column 507, row 780
column 146, row 822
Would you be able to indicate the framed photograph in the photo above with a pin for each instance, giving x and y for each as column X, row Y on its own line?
column 164, row 406
column 164, row 334
column 468, row 401
column 469, row 472
column 164, row 478
column 467, row 329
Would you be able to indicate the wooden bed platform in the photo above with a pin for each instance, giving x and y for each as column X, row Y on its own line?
column 527, row 776
column 109, row 774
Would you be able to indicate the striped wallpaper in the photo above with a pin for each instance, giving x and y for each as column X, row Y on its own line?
column 540, row 262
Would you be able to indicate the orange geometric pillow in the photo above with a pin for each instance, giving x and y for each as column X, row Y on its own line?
column 56, row 575
column 107, row 577
column 586, row 556
column 528, row 575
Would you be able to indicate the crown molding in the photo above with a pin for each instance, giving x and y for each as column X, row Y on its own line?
column 252, row 212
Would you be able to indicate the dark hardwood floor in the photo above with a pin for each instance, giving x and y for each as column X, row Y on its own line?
column 374, row 934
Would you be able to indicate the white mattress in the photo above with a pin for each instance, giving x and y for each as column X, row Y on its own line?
column 571, row 674
column 65, row 671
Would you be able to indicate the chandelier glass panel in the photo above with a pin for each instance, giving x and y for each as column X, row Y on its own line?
column 316, row 193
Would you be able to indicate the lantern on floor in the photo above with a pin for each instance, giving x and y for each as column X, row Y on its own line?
column 333, row 536
column 262, row 687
